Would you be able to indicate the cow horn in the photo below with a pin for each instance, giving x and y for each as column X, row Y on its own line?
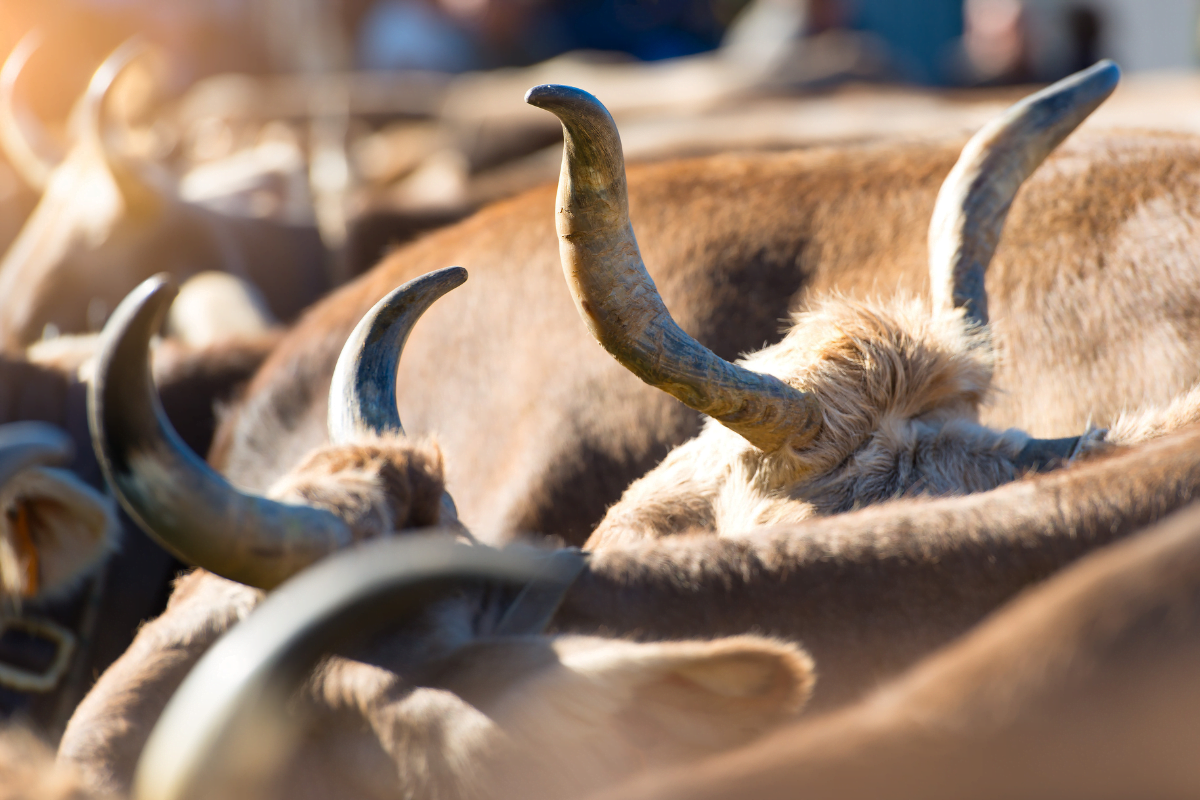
column 620, row 304
column 362, row 396
column 27, row 444
column 89, row 120
column 226, row 733
column 24, row 157
column 975, row 197
column 168, row 490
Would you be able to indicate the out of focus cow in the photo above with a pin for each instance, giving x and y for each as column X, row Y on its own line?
column 105, row 222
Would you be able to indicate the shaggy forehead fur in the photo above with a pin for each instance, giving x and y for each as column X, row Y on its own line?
column 375, row 485
column 899, row 390
column 871, row 362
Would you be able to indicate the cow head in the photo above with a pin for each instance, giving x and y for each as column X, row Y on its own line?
column 107, row 221
column 526, row 716
column 861, row 401
column 98, row 223
column 370, row 481
column 54, row 529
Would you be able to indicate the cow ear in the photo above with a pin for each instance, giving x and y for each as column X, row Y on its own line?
column 54, row 529
column 687, row 698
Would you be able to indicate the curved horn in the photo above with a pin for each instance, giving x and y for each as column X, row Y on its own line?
column 175, row 497
column 24, row 157
column 619, row 302
column 224, row 733
column 27, row 444
column 362, row 396
column 88, row 122
column 975, row 197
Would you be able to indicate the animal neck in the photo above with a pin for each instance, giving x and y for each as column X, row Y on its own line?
column 850, row 587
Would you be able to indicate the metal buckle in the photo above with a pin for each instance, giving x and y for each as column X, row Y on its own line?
column 23, row 680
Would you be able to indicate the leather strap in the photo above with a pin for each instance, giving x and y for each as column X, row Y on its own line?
column 37, row 630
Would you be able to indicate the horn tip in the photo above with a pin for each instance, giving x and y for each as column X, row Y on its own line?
column 556, row 97
column 1106, row 74
column 153, row 293
column 456, row 276
column 543, row 93
column 158, row 283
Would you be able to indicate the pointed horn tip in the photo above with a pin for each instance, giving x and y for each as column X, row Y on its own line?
column 557, row 98
column 161, row 287
column 1108, row 68
column 436, row 283
column 454, row 276
column 149, row 297
column 1102, row 77
column 1089, row 86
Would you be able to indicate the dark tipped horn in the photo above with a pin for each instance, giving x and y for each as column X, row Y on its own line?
column 619, row 302
column 974, row 199
column 362, row 395
column 27, row 444
column 168, row 490
column 224, row 733
column 33, row 168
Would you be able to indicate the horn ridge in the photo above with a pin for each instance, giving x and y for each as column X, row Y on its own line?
column 619, row 302
column 974, row 200
column 362, row 394
column 168, row 490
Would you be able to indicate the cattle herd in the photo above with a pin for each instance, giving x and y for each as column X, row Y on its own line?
column 934, row 539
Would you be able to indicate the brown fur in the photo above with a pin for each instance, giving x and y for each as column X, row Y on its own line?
column 541, row 717
column 108, row 728
column 48, row 385
column 137, row 572
column 510, row 729
column 376, row 487
column 379, row 486
column 868, row 592
column 899, row 391
column 1091, row 296
column 1083, row 688
column 28, row 771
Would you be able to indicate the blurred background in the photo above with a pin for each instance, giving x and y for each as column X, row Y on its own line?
column 326, row 111
column 930, row 42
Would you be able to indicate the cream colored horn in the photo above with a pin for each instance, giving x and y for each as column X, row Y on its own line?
column 620, row 304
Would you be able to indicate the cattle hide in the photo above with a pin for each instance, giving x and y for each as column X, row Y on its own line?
column 1089, row 303
column 1084, row 687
